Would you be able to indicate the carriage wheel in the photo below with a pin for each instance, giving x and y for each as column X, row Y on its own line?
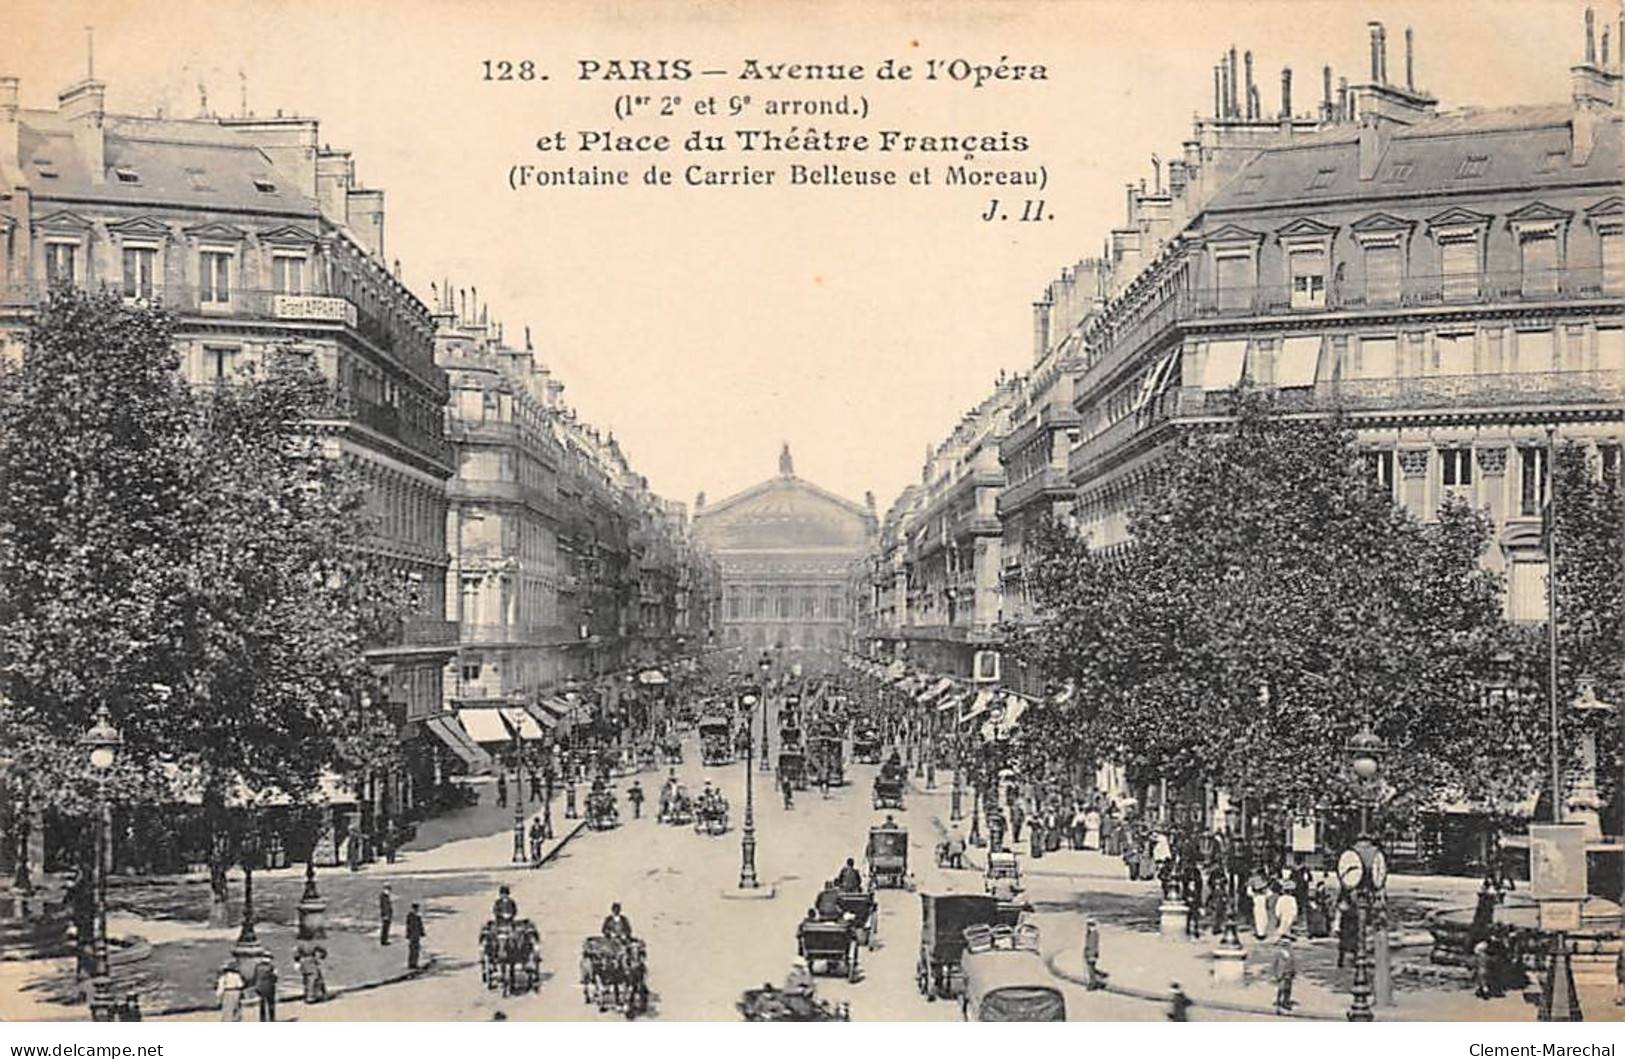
column 922, row 978
column 852, row 964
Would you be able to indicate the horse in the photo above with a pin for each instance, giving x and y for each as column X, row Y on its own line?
column 615, row 975
column 506, row 949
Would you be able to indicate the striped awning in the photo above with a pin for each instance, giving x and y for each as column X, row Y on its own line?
column 459, row 742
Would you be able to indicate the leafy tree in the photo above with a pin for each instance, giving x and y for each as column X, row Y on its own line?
column 198, row 561
column 1271, row 602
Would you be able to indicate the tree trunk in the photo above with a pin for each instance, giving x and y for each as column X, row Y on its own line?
column 214, row 809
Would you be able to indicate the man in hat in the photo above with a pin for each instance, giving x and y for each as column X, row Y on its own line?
column 1091, row 955
column 414, row 936
column 616, row 925
column 850, row 880
column 386, row 914
column 504, row 909
column 265, row 988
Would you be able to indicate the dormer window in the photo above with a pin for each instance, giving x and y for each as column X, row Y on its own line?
column 127, row 176
column 1474, row 165
column 45, row 168
column 264, row 186
column 1322, row 179
column 1399, row 172
column 199, row 180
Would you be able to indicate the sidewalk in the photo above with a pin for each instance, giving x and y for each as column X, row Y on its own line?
column 1069, row 886
column 166, row 952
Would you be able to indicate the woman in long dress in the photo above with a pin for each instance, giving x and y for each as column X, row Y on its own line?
column 229, row 988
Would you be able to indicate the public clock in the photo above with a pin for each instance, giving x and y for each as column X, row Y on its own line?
column 1379, row 868
column 1350, row 868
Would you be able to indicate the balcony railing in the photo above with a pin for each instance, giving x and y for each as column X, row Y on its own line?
column 1535, row 286
column 387, row 420
column 259, row 304
column 1410, row 394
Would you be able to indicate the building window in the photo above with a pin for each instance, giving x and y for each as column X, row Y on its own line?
column 1382, row 273
column 1234, row 279
column 1612, row 242
column 139, row 264
column 1308, row 271
column 1473, row 165
column 1453, row 353
column 219, row 361
column 1458, row 266
column 1379, row 467
column 214, row 275
column 1322, row 179
column 1531, row 481
column 1538, row 258
column 471, row 672
column 1533, row 352
column 288, row 274
column 1610, row 349
column 1455, row 467
column 61, row 264
column 1375, row 359
column 1526, row 590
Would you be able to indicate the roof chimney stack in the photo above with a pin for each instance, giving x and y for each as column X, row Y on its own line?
column 1325, row 93
column 1410, row 62
column 1382, row 54
column 1248, row 59
column 1224, row 91
column 1591, row 37
column 84, row 107
column 1235, row 109
column 1286, row 93
column 1041, row 326
column 1218, row 92
column 9, row 150
column 1376, row 47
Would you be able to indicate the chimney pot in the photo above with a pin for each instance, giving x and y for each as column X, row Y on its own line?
column 1251, row 114
column 1410, row 59
column 1235, row 108
column 1591, row 37
column 1286, row 93
column 1376, row 47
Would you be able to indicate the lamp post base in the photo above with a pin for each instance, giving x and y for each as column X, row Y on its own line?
column 103, row 1008
column 1172, row 915
column 312, row 919
column 758, row 892
column 1229, row 964
column 248, row 955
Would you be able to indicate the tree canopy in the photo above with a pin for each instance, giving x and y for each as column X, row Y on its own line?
column 1272, row 601
column 194, row 559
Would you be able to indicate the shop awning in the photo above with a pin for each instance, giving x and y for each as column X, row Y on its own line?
column 951, row 702
column 497, row 724
column 1300, row 354
column 541, row 716
column 459, row 742
column 1225, row 360
column 936, row 689
column 984, row 699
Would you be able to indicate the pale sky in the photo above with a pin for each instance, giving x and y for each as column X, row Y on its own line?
column 706, row 326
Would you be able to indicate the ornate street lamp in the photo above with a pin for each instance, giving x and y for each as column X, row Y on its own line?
column 766, row 666
column 519, row 856
column 958, row 795
column 1364, row 868
column 747, row 840
column 102, row 741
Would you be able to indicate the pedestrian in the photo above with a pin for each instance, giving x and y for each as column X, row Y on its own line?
column 1286, row 912
column 265, row 988
column 634, row 794
column 1483, row 970
column 1348, row 930
column 1260, row 891
column 1193, row 901
column 502, row 791
column 228, row 987
column 308, row 957
column 1018, row 816
column 535, row 786
column 789, row 792
column 536, row 841
column 1179, row 1004
column 1091, row 956
column 1484, row 911
column 414, row 936
column 386, row 914
column 1284, row 969
column 389, row 837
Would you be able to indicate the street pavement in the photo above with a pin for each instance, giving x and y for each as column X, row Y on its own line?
column 705, row 948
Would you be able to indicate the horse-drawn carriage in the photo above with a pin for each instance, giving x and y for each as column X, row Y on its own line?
column 770, row 1004
column 1003, row 874
column 671, row 749
column 866, row 746
column 679, row 808
column 792, row 769
column 602, row 812
column 1005, row 979
column 944, row 919
column 615, row 974
column 887, row 854
column 716, row 747
column 829, row 947
column 790, row 738
column 825, row 757
column 511, row 955
column 711, row 814
column 888, row 791
column 864, row 913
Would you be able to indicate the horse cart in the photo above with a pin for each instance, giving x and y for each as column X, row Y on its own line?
column 829, row 946
column 1003, row 873
column 1006, row 979
column 943, row 922
column 711, row 815
column 511, row 955
column 866, row 746
column 864, row 913
column 615, row 974
column 602, row 812
column 679, row 809
column 716, row 746
column 888, row 791
column 825, row 753
column 671, row 749
column 887, row 854
column 793, row 769
column 770, row 1004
